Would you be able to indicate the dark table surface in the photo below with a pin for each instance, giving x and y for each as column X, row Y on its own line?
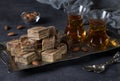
column 10, row 11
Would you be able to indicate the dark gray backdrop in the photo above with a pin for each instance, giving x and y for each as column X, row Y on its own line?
column 10, row 11
column 114, row 4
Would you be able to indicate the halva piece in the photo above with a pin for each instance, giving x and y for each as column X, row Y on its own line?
column 62, row 48
column 11, row 44
column 17, row 51
column 38, row 33
column 48, row 43
column 27, row 58
column 52, row 30
column 51, row 55
column 27, row 45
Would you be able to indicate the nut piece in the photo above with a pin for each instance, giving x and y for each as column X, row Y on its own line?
column 11, row 34
column 76, row 49
column 84, row 49
column 6, row 27
column 36, row 63
column 23, row 38
column 19, row 27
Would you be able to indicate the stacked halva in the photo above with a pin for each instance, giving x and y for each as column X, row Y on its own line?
column 40, row 43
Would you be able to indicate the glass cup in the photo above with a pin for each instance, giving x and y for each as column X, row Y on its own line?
column 75, row 29
column 97, row 36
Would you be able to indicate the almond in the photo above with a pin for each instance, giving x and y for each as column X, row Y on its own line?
column 76, row 49
column 36, row 63
column 6, row 27
column 11, row 34
column 84, row 49
column 19, row 27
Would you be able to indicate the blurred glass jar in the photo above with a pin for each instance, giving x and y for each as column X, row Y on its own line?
column 30, row 17
column 97, row 36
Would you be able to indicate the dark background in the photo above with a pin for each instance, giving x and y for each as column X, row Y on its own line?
column 10, row 11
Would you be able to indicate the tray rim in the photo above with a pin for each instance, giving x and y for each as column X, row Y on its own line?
column 87, row 54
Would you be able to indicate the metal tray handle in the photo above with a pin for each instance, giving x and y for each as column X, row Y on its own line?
column 3, row 54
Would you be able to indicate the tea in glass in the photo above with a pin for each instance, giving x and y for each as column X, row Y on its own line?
column 97, row 36
column 74, row 29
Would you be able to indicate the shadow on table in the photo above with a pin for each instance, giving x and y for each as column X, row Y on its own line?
column 77, row 62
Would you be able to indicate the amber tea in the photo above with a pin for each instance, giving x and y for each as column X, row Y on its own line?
column 97, row 36
column 74, row 29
